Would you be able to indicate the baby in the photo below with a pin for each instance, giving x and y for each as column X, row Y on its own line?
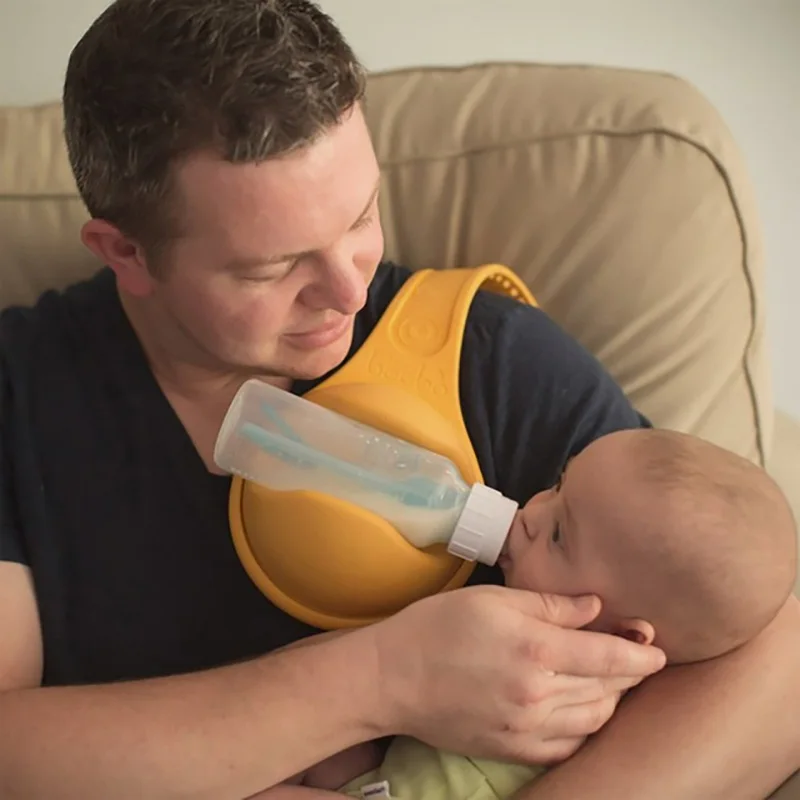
column 689, row 547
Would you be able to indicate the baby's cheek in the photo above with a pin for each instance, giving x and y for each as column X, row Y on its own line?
column 540, row 571
column 527, row 572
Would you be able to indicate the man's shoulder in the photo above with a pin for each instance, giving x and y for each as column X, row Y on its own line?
column 519, row 347
column 58, row 317
column 533, row 396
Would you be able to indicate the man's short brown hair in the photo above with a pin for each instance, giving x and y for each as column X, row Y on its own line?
column 154, row 81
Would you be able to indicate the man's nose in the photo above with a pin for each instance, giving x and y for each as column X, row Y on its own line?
column 339, row 285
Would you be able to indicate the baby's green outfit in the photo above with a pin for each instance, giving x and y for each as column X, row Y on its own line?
column 414, row 771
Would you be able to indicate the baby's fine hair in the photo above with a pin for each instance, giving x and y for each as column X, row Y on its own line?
column 722, row 546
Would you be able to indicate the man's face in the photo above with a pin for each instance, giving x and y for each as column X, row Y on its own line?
column 274, row 259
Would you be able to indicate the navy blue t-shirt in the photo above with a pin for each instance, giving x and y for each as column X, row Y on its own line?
column 107, row 501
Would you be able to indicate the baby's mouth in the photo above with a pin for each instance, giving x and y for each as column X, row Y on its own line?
column 503, row 558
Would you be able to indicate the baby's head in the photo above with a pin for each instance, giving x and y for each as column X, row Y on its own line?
column 686, row 544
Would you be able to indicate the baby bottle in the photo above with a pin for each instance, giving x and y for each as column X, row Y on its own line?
column 286, row 443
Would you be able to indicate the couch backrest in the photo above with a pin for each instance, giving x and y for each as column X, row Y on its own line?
column 619, row 196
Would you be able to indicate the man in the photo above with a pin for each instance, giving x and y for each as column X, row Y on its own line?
column 221, row 151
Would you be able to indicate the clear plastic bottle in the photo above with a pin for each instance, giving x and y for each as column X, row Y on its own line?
column 284, row 442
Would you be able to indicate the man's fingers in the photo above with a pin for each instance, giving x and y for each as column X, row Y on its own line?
column 585, row 689
column 580, row 720
column 552, row 751
column 574, row 690
column 561, row 610
column 597, row 655
column 617, row 686
column 571, row 689
column 565, row 729
column 581, row 652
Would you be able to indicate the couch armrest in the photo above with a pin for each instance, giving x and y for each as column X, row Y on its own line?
column 784, row 463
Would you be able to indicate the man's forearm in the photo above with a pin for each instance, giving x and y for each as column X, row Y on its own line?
column 225, row 733
column 720, row 730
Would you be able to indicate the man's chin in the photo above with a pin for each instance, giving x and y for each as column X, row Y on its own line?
column 311, row 366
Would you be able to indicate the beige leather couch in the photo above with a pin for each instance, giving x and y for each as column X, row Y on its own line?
column 619, row 196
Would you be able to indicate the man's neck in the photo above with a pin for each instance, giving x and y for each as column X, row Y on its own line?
column 199, row 390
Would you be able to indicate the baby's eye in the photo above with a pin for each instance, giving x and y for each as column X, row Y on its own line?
column 556, row 537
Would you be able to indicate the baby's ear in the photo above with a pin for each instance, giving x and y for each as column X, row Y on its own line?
column 637, row 630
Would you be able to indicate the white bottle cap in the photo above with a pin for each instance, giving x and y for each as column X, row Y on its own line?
column 484, row 523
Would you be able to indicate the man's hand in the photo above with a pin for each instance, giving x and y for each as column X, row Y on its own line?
column 502, row 673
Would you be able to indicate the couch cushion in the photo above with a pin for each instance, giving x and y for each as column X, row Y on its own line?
column 621, row 199
column 40, row 211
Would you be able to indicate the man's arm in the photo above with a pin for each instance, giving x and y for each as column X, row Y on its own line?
column 488, row 670
column 206, row 735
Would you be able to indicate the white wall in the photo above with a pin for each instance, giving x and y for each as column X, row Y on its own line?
column 743, row 54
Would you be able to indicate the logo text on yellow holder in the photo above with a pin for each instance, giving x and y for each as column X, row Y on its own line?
column 330, row 563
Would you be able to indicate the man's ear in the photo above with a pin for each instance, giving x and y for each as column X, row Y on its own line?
column 637, row 630
column 121, row 254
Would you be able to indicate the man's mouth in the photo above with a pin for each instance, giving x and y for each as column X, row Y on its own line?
column 320, row 336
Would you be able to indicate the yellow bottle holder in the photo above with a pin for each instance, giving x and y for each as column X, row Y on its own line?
column 332, row 564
